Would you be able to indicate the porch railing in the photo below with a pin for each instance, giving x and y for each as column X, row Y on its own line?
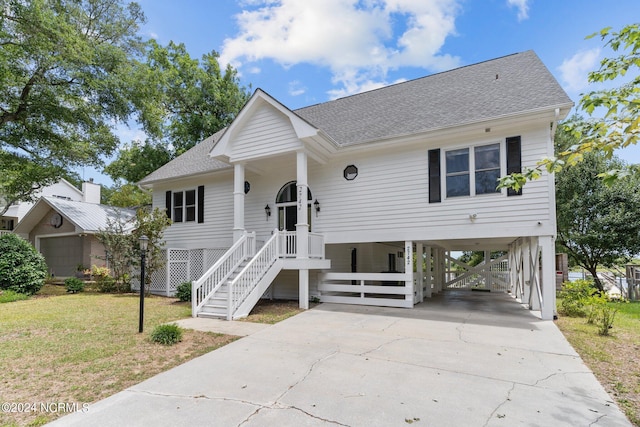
column 219, row 272
column 248, row 278
column 289, row 244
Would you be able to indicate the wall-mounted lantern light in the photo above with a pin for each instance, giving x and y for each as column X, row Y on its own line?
column 267, row 211
column 316, row 205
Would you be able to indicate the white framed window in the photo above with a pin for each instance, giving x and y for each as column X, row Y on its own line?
column 186, row 205
column 472, row 171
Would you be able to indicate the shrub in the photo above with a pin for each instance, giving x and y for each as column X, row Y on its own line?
column 575, row 297
column 104, row 282
column 168, row 334
column 183, row 291
column 73, row 285
column 606, row 315
column 22, row 268
column 11, row 296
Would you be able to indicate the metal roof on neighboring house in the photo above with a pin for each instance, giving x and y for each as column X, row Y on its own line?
column 510, row 85
column 86, row 217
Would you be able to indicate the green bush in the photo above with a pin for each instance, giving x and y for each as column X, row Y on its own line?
column 11, row 296
column 104, row 282
column 168, row 334
column 605, row 317
column 22, row 268
column 73, row 285
column 183, row 291
column 575, row 297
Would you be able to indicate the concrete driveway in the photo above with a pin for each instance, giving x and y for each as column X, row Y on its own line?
column 460, row 359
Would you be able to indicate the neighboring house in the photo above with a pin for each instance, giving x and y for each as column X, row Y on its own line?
column 62, row 189
column 341, row 195
column 63, row 230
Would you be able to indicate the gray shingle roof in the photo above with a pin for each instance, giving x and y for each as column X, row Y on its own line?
column 91, row 217
column 192, row 162
column 509, row 85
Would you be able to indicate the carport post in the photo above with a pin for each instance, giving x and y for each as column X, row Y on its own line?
column 548, row 277
column 428, row 268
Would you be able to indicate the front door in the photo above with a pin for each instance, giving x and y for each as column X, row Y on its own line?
column 287, row 204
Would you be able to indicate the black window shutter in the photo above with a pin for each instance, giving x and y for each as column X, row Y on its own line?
column 201, row 204
column 514, row 161
column 434, row 176
column 168, row 203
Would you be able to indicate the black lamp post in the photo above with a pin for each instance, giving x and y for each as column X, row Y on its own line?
column 144, row 243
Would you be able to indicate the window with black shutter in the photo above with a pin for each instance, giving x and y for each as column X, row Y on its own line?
column 434, row 176
column 514, row 161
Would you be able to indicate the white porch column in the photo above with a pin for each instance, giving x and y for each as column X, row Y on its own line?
column 428, row 268
column 526, row 271
column 303, row 291
column 408, row 270
column 548, row 277
column 238, row 201
column 420, row 271
column 302, row 226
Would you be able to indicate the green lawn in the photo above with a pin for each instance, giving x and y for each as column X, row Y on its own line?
column 79, row 348
column 613, row 359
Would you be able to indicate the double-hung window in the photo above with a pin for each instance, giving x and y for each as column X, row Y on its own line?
column 186, row 206
column 457, row 167
column 487, row 168
column 473, row 171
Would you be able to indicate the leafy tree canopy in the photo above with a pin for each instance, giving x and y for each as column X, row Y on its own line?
column 598, row 223
column 66, row 69
column 187, row 100
column 618, row 109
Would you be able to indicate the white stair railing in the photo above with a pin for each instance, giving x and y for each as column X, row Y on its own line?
column 219, row 272
column 251, row 274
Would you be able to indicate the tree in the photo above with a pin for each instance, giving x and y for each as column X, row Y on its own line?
column 151, row 224
column 126, row 196
column 66, row 69
column 186, row 101
column 119, row 244
column 619, row 107
column 598, row 224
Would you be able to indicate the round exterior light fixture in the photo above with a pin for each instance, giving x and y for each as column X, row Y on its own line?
column 350, row 172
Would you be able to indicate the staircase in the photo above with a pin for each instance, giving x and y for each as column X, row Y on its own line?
column 235, row 283
column 215, row 306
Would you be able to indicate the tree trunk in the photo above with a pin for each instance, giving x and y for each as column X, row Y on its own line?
column 596, row 280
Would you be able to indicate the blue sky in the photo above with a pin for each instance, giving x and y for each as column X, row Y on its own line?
column 304, row 52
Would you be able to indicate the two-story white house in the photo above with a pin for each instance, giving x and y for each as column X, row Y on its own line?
column 338, row 200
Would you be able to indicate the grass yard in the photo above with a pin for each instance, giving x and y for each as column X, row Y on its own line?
column 273, row 311
column 80, row 348
column 614, row 359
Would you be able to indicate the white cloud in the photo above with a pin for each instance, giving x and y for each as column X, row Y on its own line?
column 354, row 39
column 574, row 70
column 296, row 88
column 522, row 6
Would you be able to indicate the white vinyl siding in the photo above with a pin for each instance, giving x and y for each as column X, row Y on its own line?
column 388, row 200
column 267, row 133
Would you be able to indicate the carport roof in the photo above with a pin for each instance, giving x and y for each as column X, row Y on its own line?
column 88, row 218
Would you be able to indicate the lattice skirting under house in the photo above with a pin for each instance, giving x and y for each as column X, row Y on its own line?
column 180, row 265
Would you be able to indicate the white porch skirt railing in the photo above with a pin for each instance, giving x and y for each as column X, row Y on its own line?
column 289, row 244
column 380, row 289
column 211, row 281
column 248, row 278
column 3, row 232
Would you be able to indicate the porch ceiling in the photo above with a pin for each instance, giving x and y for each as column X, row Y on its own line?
column 493, row 244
